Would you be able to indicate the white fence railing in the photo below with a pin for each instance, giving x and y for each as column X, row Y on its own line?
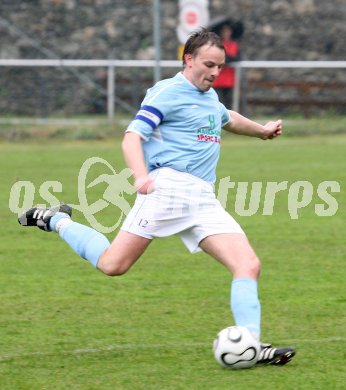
column 111, row 66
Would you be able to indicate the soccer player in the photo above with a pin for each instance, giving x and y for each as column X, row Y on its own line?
column 172, row 146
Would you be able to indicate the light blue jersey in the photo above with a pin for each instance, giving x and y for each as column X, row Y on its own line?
column 181, row 127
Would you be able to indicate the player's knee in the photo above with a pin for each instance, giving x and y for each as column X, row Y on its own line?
column 254, row 267
column 249, row 267
column 112, row 267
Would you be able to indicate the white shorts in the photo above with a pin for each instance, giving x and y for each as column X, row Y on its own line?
column 181, row 204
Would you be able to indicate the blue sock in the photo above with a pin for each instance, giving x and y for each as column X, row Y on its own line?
column 85, row 241
column 245, row 305
column 55, row 219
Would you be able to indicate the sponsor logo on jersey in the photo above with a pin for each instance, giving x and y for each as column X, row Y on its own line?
column 209, row 133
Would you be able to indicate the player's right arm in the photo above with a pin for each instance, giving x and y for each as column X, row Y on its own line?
column 140, row 130
column 134, row 157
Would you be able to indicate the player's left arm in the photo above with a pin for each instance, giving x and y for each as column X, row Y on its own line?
column 241, row 125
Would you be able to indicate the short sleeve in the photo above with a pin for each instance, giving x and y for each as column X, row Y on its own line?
column 146, row 121
column 225, row 115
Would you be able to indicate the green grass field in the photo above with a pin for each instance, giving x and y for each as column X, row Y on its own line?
column 64, row 325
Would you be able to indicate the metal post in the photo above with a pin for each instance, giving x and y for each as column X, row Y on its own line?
column 157, row 40
column 110, row 93
column 236, row 89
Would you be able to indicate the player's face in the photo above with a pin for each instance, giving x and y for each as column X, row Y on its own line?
column 202, row 69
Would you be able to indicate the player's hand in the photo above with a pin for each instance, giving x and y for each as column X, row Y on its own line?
column 272, row 129
column 145, row 185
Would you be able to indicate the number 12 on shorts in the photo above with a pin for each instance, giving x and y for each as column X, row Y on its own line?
column 143, row 222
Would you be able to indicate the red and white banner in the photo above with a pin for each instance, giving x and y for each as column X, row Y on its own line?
column 193, row 14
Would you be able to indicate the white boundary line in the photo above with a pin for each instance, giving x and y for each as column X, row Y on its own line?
column 113, row 347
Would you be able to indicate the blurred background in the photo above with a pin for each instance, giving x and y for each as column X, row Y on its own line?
column 304, row 30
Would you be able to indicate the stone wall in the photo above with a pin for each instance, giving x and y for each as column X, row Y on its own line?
column 122, row 29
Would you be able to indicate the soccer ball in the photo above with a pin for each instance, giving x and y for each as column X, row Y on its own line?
column 235, row 347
